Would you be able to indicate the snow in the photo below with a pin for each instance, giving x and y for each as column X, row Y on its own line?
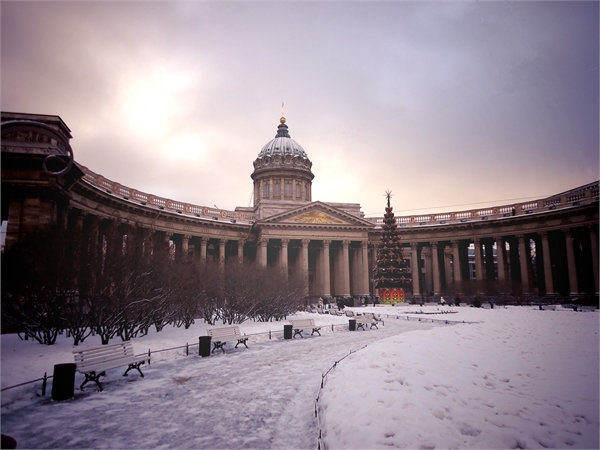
column 518, row 378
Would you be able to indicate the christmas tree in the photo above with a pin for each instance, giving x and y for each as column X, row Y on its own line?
column 389, row 273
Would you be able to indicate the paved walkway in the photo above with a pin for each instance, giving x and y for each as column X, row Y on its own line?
column 258, row 398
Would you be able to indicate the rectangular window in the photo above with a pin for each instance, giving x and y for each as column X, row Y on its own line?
column 288, row 189
column 267, row 192
column 277, row 191
column 298, row 191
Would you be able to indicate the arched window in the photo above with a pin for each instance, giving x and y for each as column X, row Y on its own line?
column 267, row 192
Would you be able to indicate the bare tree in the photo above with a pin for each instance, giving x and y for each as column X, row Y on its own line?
column 37, row 281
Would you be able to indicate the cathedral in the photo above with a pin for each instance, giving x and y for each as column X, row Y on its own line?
column 546, row 247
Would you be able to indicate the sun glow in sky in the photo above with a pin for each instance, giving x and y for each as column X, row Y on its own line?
column 444, row 103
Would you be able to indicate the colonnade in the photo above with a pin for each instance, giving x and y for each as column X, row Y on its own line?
column 562, row 261
column 329, row 267
column 552, row 262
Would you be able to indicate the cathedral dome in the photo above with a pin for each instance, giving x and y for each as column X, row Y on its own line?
column 283, row 144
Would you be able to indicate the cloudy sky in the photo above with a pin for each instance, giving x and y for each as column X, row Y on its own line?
column 450, row 105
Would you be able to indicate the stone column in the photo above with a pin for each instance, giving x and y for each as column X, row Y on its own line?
column 436, row 268
column 364, row 268
column 185, row 239
column 240, row 249
column 500, row 253
column 594, row 241
column 304, row 264
column 573, row 284
column 456, row 264
column 523, row 257
column 222, row 243
column 478, row 259
column 488, row 271
column 427, row 272
column 203, row 246
column 325, row 268
column 284, row 256
column 547, row 263
column 345, row 269
column 414, row 268
column 261, row 253
column 355, row 261
column 79, row 248
column 447, row 266
column 168, row 242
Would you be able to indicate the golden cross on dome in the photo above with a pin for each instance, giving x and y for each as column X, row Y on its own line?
column 282, row 120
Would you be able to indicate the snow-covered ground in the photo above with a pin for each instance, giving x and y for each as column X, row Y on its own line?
column 519, row 378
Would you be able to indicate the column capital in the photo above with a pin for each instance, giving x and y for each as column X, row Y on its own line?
column 433, row 243
column 305, row 242
column 413, row 245
column 285, row 242
column 204, row 239
column 364, row 244
column 346, row 243
column 326, row 243
column 454, row 242
column 263, row 241
column 186, row 237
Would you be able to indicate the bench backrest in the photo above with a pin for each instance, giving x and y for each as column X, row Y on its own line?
column 303, row 323
column 364, row 319
column 92, row 356
column 224, row 332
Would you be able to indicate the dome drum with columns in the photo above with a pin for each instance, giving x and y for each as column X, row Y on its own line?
column 282, row 171
column 330, row 245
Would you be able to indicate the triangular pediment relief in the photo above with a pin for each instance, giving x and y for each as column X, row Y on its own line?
column 316, row 213
column 314, row 216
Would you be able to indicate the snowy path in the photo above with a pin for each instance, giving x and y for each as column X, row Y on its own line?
column 257, row 398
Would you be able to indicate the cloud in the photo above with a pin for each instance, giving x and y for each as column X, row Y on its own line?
column 444, row 103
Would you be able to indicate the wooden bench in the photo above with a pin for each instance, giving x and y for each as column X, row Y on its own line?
column 221, row 335
column 94, row 361
column 299, row 325
column 366, row 319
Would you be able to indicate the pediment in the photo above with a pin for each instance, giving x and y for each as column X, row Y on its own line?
column 316, row 214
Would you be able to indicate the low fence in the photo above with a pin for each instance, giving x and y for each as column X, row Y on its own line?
column 317, row 400
column 256, row 337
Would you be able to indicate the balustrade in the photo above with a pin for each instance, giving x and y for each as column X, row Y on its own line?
column 166, row 204
column 589, row 192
